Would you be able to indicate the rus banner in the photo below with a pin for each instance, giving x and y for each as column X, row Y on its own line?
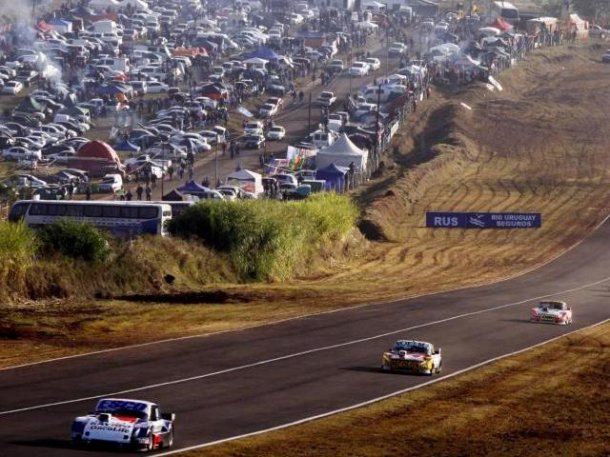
column 483, row 220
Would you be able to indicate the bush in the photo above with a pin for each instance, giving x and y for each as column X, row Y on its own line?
column 266, row 238
column 18, row 246
column 76, row 240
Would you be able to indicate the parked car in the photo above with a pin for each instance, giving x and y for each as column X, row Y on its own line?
column 359, row 69
column 326, row 99
column 156, row 87
column 254, row 141
column 336, row 66
column 596, row 31
column 397, row 49
column 267, row 110
column 374, row 63
column 277, row 132
column 111, row 183
column 21, row 153
column 12, row 87
column 253, row 128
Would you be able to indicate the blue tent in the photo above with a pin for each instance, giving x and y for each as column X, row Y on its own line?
column 263, row 53
column 192, row 188
column 333, row 175
column 126, row 145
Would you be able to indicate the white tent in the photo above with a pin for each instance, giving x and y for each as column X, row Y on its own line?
column 247, row 180
column 342, row 153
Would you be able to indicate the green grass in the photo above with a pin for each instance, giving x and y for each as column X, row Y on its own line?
column 268, row 239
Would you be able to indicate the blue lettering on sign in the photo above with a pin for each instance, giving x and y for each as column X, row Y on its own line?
column 483, row 220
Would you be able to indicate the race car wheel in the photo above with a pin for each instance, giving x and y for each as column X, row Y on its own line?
column 151, row 442
column 169, row 440
column 439, row 368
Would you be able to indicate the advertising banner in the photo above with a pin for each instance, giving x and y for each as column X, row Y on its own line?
column 483, row 220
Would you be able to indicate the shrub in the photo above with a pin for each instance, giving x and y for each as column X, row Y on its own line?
column 18, row 246
column 76, row 240
column 266, row 238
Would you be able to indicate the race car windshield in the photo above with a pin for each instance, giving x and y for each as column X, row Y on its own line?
column 411, row 347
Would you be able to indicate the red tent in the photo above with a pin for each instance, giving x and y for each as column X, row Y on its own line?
column 501, row 24
column 97, row 158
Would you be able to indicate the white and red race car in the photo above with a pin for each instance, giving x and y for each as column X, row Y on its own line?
column 134, row 424
column 552, row 312
column 413, row 357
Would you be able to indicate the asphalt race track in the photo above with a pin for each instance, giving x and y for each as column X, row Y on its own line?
column 240, row 382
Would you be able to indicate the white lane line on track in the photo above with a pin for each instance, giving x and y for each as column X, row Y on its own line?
column 374, row 400
column 297, row 354
column 338, row 310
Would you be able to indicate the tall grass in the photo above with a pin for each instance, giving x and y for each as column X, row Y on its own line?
column 18, row 247
column 266, row 239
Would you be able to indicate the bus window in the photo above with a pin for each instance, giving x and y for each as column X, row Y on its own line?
column 74, row 210
column 93, row 211
column 111, row 211
column 38, row 209
column 129, row 212
column 18, row 210
column 148, row 212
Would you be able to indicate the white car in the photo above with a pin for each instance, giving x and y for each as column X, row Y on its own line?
column 359, row 69
column 253, row 128
column 21, row 153
column 61, row 158
column 374, row 63
column 156, row 87
column 326, row 99
column 267, row 110
column 552, row 312
column 296, row 18
column 111, row 183
column 12, row 87
column 135, row 424
column 397, row 49
column 412, row 356
column 277, row 132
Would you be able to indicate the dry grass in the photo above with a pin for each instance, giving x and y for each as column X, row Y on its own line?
column 528, row 404
column 496, row 157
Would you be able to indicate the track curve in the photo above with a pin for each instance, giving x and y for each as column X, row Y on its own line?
column 241, row 382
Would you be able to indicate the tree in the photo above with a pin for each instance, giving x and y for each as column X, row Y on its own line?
column 594, row 9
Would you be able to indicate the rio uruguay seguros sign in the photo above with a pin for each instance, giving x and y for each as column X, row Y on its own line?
column 483, row 220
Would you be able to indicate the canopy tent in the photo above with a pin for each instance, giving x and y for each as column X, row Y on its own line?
column 256, row 61
column 333, row 175
column 192, row 188
column 126, row 145
column 263, row 53
column 247, row 180
column 173, row 196
column 343, row 152
column 97, row 158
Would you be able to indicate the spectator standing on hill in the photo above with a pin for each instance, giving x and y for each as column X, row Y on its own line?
column 139, row 191
column 148, row 192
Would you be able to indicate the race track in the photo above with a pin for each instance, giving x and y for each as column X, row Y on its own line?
column 240, row 382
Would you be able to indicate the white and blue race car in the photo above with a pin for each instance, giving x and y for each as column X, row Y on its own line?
column 134, row 424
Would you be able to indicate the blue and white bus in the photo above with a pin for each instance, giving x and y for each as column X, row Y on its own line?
column 121, row 218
